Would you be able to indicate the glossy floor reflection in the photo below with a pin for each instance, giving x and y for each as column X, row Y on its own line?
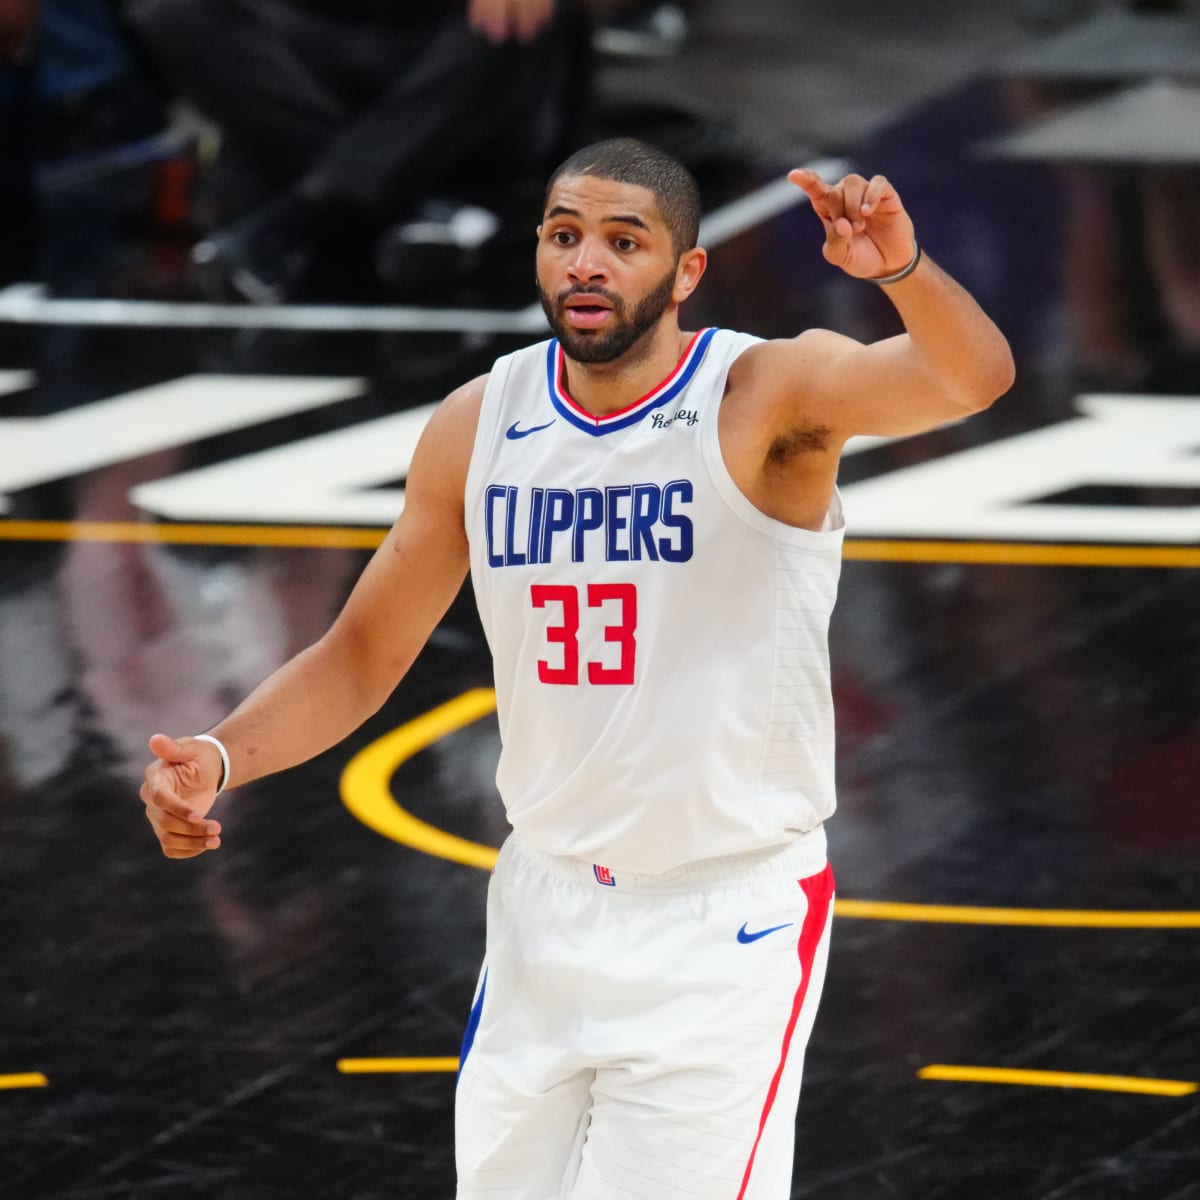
column 1016, row 732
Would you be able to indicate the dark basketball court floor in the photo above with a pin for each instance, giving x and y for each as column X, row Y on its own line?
column 188, row 493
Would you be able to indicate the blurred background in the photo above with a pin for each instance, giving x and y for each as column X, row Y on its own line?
column 246, row 244
column 272, row 150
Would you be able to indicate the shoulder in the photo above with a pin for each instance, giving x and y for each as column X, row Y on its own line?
column 786, row 366
column 455, row 421
column 458, row 414
column 778, row 436
column 468, row 395
column 775, row 383
column 443, row 455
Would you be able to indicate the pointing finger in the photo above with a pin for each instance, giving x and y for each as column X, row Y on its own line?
column 808, row 182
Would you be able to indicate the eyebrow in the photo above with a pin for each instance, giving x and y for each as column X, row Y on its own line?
column 561, row 210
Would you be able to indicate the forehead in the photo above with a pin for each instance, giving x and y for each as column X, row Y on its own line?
column 596, row 199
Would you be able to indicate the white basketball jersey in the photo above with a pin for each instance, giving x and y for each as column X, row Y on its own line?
column 660, row 645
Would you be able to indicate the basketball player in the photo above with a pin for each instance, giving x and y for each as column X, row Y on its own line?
column 653, row 532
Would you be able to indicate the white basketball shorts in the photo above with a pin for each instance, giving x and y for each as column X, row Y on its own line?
column 642, row 1036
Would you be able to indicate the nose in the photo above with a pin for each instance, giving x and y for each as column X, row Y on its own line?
column 587, row 264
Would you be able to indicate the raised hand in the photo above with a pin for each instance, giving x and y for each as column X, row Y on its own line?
column 179, row 789
column 868, row 233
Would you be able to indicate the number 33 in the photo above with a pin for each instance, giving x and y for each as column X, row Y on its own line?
column 566, row 634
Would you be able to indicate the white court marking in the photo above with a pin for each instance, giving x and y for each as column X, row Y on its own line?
column 1000, row 488
column 15, row 381
column 333, row 478
column 27, row 304
column 36, row 450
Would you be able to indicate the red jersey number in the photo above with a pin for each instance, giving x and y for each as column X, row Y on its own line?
column 566, row 633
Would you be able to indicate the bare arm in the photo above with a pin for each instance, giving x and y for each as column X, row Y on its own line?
column 325, row 692
column 951, row 360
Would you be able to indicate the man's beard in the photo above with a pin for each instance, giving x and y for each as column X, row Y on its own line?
column 622, row 333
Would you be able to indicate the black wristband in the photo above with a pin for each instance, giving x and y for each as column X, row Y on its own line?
column 904, row 274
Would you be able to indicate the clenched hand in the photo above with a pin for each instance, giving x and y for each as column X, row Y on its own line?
column 179, row 789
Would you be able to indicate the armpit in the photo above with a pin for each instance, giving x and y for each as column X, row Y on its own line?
column 805, row 439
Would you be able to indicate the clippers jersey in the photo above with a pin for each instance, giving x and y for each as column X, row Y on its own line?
column 660, row 646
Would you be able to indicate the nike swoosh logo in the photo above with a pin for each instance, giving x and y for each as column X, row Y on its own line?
column 745, row 938
column 512, row 432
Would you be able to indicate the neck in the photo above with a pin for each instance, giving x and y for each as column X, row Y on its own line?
column 608, row 387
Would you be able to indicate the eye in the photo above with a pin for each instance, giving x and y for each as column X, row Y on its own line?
column 625, row 244
column 562, row 237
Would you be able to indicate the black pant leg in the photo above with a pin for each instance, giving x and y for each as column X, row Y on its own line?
column 463, row 109
column 258, row 69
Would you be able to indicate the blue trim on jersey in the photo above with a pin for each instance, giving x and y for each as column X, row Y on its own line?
column 598, row 426
column 472, row 1024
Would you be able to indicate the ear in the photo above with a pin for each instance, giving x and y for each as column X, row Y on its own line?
column 538, row 233
column 688, row 272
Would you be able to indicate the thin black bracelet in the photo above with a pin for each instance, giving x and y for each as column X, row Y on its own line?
column 899, row 275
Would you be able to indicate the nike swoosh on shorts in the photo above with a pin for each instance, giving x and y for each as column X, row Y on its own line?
column 745, row 937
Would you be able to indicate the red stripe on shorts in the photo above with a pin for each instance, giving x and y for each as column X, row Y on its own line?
column 819, row 891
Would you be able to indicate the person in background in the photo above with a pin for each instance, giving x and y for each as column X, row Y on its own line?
column 72, row 88
column 338, row 118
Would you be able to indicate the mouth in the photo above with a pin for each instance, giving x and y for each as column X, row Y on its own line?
column 584, row 311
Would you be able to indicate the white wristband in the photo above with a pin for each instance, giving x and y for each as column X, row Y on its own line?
column 208, row 737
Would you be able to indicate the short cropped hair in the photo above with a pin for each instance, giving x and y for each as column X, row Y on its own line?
column 628, row 160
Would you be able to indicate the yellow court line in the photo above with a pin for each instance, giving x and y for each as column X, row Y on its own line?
column 30, row 1079
column 366, row 791
column 1066, row 918
column 1059, row 1079
column 1033, row 554
column 390, row 1066
column 314, row 537
column 365, row 783
column 937, row 1071
column 1028, row 554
